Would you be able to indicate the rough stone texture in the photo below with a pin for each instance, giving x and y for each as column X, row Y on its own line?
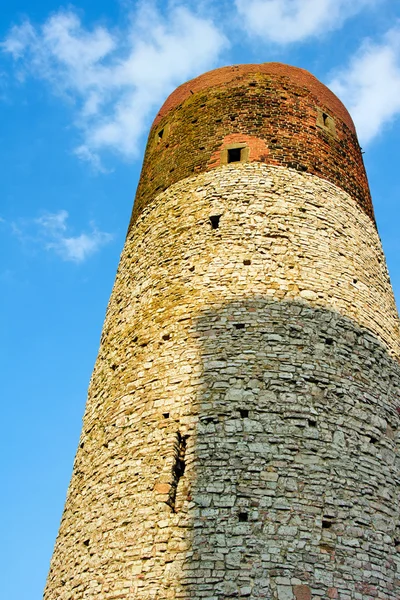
column 277, row 112
column 241, row 433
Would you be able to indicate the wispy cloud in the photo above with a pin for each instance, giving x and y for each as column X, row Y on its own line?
column 287, row 21
column 52, row 232
column 116, row 79
column 370, row 85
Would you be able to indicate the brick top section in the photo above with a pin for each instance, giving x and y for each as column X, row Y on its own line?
column 269, row 113
column 227, row 75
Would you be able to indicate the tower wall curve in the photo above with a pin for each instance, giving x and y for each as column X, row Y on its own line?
column 241, row 434
column 302, row 125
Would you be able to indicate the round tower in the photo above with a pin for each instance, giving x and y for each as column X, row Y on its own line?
column 241, row 433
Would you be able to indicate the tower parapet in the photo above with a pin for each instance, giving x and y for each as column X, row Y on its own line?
column 241, row 432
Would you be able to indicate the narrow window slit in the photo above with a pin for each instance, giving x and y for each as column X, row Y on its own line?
column 178, row 468
column 160, row 134
column 214, row 220
column 239, row 325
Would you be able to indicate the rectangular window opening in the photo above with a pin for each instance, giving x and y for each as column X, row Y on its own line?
column 234, row 155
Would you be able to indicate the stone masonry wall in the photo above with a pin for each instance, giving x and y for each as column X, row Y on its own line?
column 283, row 118
column 242, row 427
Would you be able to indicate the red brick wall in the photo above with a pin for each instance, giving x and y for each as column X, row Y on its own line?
column 272, row 108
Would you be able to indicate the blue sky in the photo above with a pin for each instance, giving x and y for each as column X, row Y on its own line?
column 79, row 87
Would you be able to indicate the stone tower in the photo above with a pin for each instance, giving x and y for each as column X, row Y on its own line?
column 241, row 434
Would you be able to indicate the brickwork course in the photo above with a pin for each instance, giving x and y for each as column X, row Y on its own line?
column 241, row 433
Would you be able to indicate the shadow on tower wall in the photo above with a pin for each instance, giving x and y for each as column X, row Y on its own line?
column 254, row 456
column 291, row 476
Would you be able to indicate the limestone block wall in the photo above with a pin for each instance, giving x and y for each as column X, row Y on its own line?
column 242, row 427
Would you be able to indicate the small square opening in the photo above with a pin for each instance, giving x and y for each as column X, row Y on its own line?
column 327, row 522
column 234, row 154
column 214, row 220
column 243, row 517
column 326, row 122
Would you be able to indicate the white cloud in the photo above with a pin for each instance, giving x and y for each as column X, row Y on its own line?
column 18, row 39
column 370, row 85
column 53, row 233
column 53, row 223
column 78, row 248
column 116, row 79
column 286, row 21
